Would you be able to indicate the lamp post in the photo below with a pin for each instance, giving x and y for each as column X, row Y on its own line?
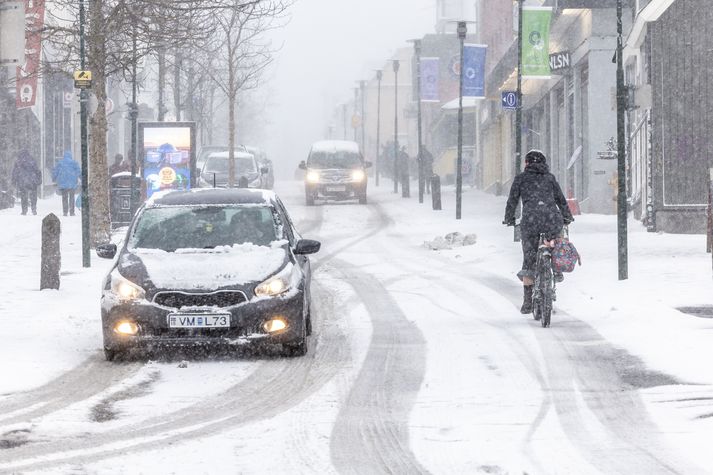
column 417, row 47
column 518, row 110
column 344, row 114
column 622, row 233
column 379, row 77
column 396, row 125
column 362, row 90
column 83, row 99
column 462, row 32
column 133, row 115
column 356, row 113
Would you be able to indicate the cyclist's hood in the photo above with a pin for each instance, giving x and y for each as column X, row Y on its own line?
column 539, row 168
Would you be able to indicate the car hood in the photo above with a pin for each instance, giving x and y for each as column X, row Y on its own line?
column 203, row 269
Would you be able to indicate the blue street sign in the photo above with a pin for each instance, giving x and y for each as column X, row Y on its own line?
column 509, row 100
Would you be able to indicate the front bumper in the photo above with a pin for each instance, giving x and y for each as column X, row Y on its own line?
column 349, row 190
column 246, row 321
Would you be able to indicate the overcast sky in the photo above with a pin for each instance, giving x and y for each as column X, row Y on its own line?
column 328, row 45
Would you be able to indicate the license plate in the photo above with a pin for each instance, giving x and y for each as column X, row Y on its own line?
column 190, row 320
column 336, row 188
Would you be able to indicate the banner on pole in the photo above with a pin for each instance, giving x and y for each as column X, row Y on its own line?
column 536, row 42
column 26, row 79
column 430, row 73
column 474, row 70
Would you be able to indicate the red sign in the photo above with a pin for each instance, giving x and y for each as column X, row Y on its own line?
column 26, row 81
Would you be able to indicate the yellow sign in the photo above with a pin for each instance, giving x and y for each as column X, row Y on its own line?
column 167, row 175
column 82, row 79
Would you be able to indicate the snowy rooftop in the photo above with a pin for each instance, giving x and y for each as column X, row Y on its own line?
column 211, row 196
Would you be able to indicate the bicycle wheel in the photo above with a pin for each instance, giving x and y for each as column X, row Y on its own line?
column 547, row 293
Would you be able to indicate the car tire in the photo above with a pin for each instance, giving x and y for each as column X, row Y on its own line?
column 295, row 349
column 111, row 355
column 362, row 199
column 309, row 199
column 308, row 320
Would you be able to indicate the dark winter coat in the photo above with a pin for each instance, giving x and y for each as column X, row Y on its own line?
column 66, row 173
column 25, row 174
column 544, row 207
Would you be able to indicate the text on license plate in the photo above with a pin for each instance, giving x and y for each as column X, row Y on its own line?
column 336, row 188
column 187, row 320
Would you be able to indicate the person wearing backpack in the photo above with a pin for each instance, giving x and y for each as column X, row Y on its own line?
column 66, row 174
column 544, row 211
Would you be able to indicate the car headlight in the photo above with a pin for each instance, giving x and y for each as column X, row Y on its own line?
column 125, row 289
column 313, row 177
column 358, row 175
column 279, row 283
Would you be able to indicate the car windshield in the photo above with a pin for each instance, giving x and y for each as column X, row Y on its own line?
column 336, row 159
column 203, row 227
column 243, row 165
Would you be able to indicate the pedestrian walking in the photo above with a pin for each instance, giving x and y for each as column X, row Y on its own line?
column 26, row 177
column 66, row 175
column 119, row 165
column 427, row 164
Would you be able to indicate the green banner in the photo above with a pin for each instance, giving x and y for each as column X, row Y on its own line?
column 536, row 41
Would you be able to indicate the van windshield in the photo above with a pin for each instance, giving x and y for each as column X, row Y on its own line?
column 337, row 159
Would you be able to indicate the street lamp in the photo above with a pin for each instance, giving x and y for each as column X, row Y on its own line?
column 622, row 228
column 518, row 110
column 462, row 32
column 421, row 178
column 396, row 125
column 356, row 113
column 379, row 77
column 344, row 114
column 83, row 100
column 362, row 89
column 134, row 116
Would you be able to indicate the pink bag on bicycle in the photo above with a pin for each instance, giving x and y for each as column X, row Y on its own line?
column 565, row 256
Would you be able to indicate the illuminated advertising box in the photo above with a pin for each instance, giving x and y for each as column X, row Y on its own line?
column 167, row 154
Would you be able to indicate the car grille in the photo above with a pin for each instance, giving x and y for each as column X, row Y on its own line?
column 222, row 298
column 335, row 176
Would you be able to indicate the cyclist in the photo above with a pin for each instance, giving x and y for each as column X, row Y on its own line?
column 544, row 211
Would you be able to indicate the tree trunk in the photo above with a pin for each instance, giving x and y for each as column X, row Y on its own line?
column 177, row 84
column 161, row 83
column 99, row 222
column 232, row 93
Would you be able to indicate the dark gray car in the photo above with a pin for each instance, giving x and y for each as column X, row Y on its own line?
column 212, row 266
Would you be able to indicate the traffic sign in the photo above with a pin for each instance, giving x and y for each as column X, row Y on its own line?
column 509, row 100
column 82, row 79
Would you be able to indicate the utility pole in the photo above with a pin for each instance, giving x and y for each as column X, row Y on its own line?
column 83, row 99
column 622, row 233
column 518, row 110
column 462, row 32
column 421, row 178
column 344, row 114
column 396, row 126
column 379, row 77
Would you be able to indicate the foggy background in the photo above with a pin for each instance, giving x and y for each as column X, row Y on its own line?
column 327, row 46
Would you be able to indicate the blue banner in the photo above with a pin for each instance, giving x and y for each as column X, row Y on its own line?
column 430, row 73
column 474, row 70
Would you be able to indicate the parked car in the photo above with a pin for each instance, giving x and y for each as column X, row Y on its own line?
column 214, row 267
column 335, row 170
column 264, row 162
column 206, row 150
column 248, row 174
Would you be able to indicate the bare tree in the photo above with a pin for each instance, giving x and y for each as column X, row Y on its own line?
column 243, row 53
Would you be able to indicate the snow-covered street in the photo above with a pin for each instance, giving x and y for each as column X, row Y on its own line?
column 420, row 361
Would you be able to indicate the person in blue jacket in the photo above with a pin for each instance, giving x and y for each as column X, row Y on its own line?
column 26, row 177
column 66, row 175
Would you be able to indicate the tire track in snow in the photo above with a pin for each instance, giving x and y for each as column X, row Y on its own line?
column 274, row 387
column 371, row 433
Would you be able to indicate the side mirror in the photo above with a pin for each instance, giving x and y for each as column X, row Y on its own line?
column 106, row 251
column 264, row 170
column 307, row 246
column 302, row 165
column 367, row 164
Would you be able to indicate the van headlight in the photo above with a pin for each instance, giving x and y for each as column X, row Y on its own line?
column 279, row 283
column 313, row 177
column 124, row 289
column 358, row 175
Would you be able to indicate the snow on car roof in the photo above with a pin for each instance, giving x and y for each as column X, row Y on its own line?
column 335, row 146
column 237, row 154
column 212, row 196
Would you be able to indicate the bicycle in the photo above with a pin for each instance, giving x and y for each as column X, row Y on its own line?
column 544, row 292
